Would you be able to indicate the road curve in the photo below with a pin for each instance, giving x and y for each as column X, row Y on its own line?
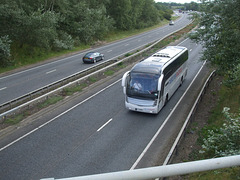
column 21, row 83
column 91, row 134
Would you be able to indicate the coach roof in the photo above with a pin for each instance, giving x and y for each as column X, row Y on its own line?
column 148, row 66
column 154, row 63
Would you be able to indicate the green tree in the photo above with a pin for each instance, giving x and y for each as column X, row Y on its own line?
column 136, row 13
column 39, row 30
column 150, row 15
column 220, row 32
column 83, row 20
column 26, row 27
column 192, row 6
column 11, row 17
column 164, row 11
column 5, row 53
column 120, row 11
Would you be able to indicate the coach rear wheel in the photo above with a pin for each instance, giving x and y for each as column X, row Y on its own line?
column 181, row 82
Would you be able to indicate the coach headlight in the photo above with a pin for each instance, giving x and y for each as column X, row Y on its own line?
column 155, row 102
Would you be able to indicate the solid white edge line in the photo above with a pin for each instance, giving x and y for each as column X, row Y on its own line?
column 104, row 125
column 183, row 41
column 18, row 139
column 166, row 120
column 184, row 126
column 178, row 137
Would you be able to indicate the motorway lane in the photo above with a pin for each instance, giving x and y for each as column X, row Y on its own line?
column 21, row 83
column 71, row 145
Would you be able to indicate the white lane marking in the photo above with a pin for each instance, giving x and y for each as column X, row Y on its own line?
column 126, row 44
column 104, row 125
column 109, row 51
column 3, row 88
column 65, row 112
column 51, row 71
column 190, row 50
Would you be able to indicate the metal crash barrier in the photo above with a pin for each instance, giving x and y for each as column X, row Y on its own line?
column 163, row 171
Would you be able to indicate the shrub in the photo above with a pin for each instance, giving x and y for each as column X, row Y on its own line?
column 5, row 52
column 224, row 141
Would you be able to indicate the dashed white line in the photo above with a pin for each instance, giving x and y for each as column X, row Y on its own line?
column 51, row 71
column 104, row 125
column 126, row 44
column 3, row 88
column 109, row 51
column 53, row 119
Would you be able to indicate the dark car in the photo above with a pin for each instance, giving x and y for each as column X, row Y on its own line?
column 92, row 57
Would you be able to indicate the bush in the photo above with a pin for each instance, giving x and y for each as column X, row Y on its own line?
column 224, row 141
column 233, row 77
column 5, row 52
column 64, row 41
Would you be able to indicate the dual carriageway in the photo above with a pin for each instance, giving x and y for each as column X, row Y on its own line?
column 93, row 133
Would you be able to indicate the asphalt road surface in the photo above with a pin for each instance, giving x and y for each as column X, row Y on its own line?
column 95, row 134
column 21, row 83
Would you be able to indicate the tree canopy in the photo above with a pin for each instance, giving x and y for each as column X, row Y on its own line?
column 220, row 33
column 54, row 25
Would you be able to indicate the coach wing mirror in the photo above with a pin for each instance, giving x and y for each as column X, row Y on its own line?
column 160, row 82
column 124, row 81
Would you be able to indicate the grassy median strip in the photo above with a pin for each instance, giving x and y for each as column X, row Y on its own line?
column 50, row 101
